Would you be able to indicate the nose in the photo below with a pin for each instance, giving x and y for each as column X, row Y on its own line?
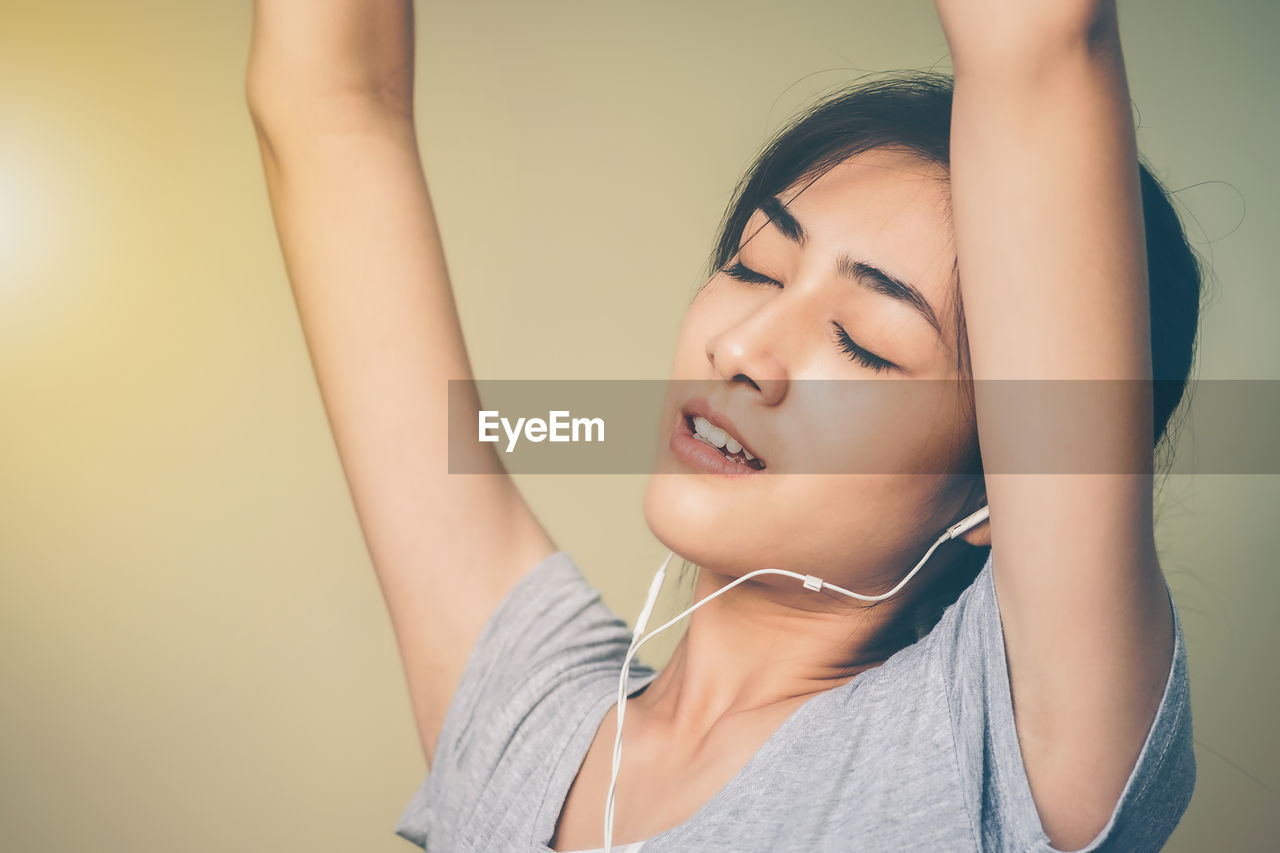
column 747, row 352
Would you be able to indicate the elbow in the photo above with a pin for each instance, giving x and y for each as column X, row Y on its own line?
column 283, row 111
column 1071, row 22
column 265, row 109
column 282, row 91
column 253, row 99
column 1021, row 44
column 266, row 92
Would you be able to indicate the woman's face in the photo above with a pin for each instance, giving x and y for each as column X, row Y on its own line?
column 805, row 366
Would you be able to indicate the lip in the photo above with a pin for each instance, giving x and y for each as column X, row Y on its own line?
column 697, row 453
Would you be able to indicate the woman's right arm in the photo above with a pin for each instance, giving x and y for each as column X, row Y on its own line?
column 330, row 90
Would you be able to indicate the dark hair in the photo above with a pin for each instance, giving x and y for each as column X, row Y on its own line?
column 911, row 111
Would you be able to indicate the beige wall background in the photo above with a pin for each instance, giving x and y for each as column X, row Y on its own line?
column 193, row 649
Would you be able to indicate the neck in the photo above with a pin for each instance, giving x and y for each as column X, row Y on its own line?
column 766, row 643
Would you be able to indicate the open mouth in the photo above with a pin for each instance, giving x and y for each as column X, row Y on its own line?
column 728, row 446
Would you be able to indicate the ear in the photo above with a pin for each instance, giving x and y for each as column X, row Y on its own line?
column 980, row 535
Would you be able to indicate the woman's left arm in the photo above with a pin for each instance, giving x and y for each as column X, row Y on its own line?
column 1052, row 262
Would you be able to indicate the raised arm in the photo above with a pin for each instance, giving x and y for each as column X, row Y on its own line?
column 1049, row 235
column 330, row 89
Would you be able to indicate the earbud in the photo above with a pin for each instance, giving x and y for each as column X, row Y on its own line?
column 810, row 582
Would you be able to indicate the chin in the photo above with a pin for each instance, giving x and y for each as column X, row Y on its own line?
column 685, row 519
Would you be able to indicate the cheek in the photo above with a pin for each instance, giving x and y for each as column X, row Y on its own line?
column 873, row 427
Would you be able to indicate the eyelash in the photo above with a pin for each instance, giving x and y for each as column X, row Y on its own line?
column 743, row 273
column 874, row 362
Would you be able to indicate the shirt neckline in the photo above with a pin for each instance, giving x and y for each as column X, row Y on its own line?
column 575, row 752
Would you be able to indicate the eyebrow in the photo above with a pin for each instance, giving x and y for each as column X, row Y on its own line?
column 781, row 217
column 879, row 281
column 868, row 275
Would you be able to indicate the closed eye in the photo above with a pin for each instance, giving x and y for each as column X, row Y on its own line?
column 858, row 354
column 742, row 272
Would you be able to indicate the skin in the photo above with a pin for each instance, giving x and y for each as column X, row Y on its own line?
column 1046, row 222
column 765, row 356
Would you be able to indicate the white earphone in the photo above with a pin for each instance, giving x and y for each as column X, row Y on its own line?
column 810, row 582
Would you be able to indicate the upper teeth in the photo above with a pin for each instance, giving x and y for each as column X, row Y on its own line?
column 718, row 437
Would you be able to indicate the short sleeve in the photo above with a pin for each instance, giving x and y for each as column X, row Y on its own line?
column 969, row 641
column 543, row 655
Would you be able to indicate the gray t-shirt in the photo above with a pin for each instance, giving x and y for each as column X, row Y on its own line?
column 919, row 753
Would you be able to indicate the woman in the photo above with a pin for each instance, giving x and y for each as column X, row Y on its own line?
column 1003, row 230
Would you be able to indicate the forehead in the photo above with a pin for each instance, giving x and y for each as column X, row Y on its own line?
column 890, row 208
